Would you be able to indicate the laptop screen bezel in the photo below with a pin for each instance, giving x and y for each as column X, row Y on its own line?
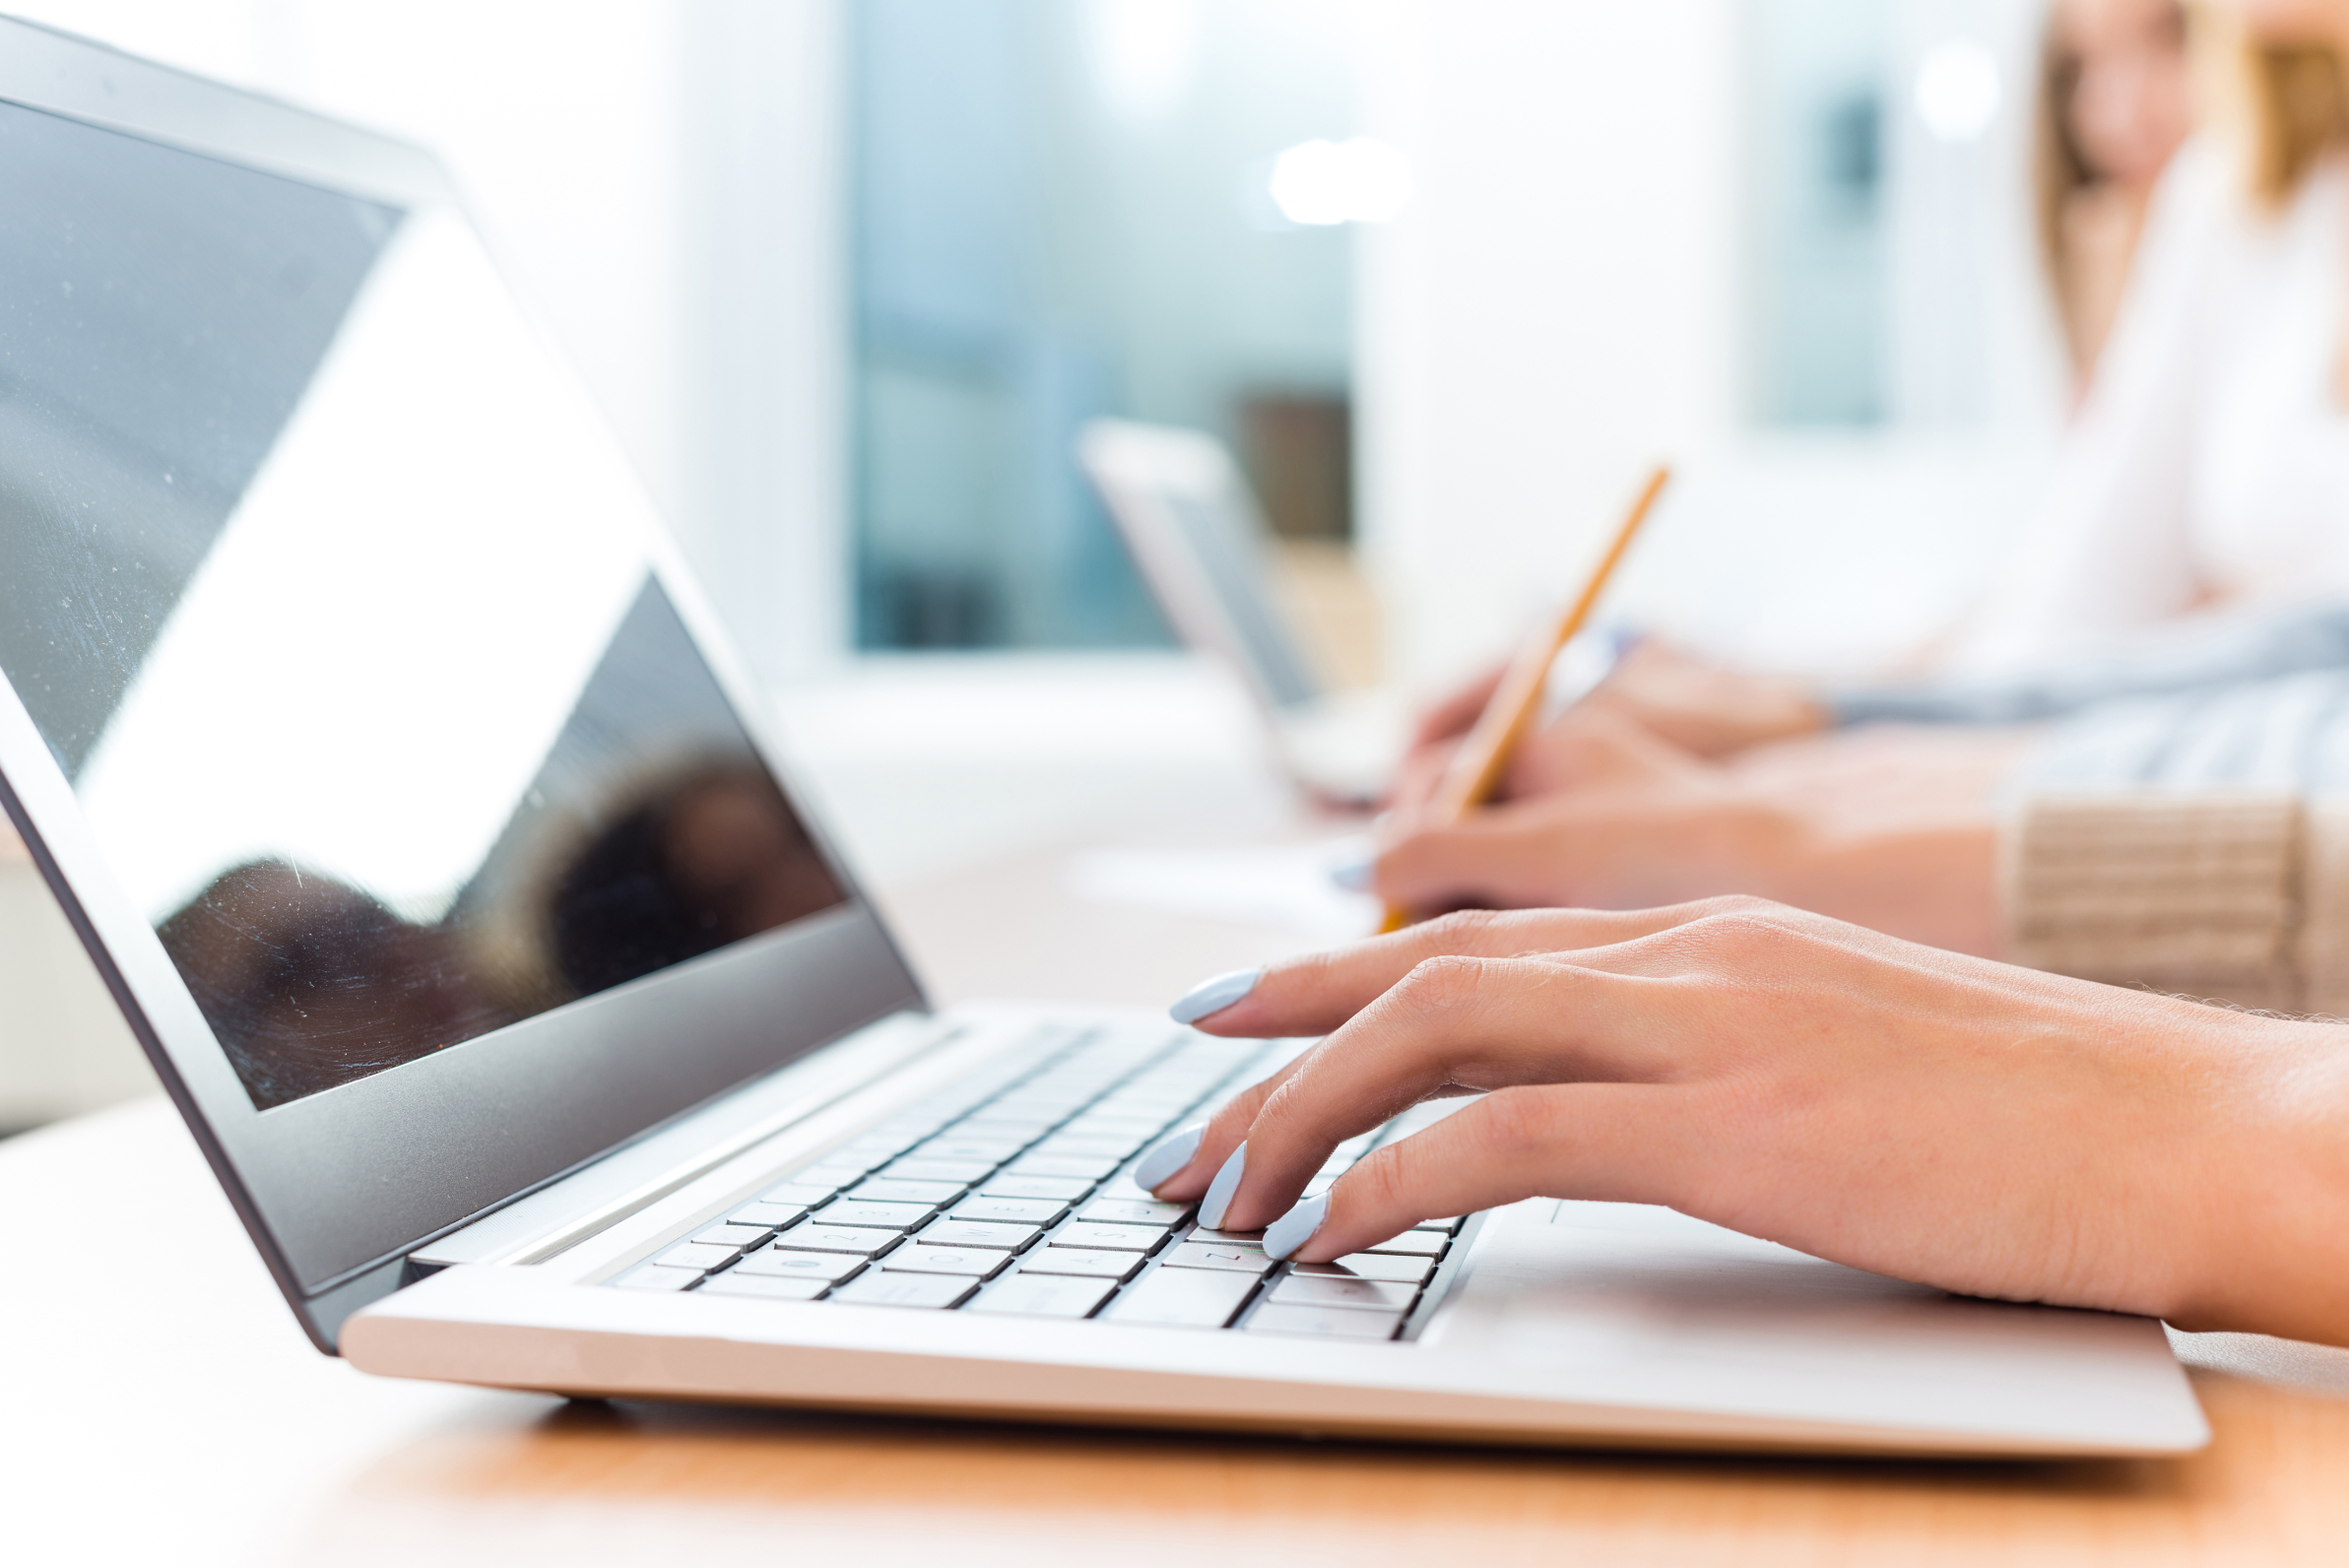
column 338, row 1186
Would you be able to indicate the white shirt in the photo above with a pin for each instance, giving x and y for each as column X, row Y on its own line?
column 2211, row 459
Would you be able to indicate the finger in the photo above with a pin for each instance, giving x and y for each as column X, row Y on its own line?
column 1494, row 860
column 1381, row 1064
column 1616, row 1143
column 1181, row 1166
column 1316, row 992
column 1455, row 714
column 1416, row 777
column 1455, row 1022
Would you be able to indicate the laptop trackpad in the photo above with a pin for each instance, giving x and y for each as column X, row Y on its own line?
column 1583, row 1284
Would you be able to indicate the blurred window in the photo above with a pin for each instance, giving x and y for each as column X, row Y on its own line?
column 1887, row 208
column 1066, row 209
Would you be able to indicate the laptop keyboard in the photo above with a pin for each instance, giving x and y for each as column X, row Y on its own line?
column 1008, row 1193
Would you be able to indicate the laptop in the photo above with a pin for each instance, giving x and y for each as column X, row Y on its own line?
column 393, row 771
column 1193, row 526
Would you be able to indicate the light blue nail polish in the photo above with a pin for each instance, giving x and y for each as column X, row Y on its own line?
column 1296, row 1228
column 1213, row 996
column 1219, row 1195
column 1168, row 1156
column 1353, row 873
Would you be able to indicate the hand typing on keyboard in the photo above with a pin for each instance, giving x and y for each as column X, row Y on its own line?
column 1986, row 1130
column 1014, row 1192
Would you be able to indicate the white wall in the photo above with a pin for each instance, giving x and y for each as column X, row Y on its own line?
column 1555, row 306
column 1563, row 304
column 661, row 182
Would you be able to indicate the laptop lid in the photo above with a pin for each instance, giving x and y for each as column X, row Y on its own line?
column 1187, row 516
column 351, row 698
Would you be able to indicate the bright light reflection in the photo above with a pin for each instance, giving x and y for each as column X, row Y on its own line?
column 1958, row 91
column 1360, row 181
column 348, row 683
column 1144, row 51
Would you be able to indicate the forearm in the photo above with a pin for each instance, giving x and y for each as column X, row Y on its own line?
column 1936, row 885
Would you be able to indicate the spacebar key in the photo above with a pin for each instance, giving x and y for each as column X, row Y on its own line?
column 1191, row 1298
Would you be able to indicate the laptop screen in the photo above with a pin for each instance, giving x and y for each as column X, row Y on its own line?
column 326, row 594
column 1223, row 541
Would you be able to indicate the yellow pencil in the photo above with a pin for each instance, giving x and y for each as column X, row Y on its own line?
column 1476, row 768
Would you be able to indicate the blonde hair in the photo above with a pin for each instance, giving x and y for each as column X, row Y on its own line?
column 2297, row 109
column 2059, row 171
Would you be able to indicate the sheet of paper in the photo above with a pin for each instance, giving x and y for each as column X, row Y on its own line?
column 1286, row 886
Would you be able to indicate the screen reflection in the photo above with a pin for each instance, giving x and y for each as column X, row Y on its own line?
column 326, row 593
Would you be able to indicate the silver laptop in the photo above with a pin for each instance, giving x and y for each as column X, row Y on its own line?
column 392, row 771
column 1193, row 526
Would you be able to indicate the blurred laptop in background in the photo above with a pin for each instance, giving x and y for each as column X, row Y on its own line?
column 1199, row 540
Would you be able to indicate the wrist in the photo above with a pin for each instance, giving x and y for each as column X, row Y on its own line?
column 2262, row 1200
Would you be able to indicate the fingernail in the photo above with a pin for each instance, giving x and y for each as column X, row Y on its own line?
column 1168, row 1156
column 1296, row 1228
column 1213, row 996
column 1219, row 1193
column 1353, row 873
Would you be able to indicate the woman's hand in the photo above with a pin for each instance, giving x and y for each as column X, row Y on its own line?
column 1705, row 708
column 1890, row 828
column 1992, row 1131
column 1689, row 704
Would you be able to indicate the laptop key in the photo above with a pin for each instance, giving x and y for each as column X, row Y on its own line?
column 1320, row 1290
column 1085, row 1261
column 1121, row 1188
column 1095, row 1166
column 803, row 1195
column 974, row 1233
column 1423, row 1243
column 1324, row 1323
column 877, row 1288
column 1117, row 1148
column 767, row 1215
column 815, row 1236
column 726, row 1234
column 1190, row 1298
column 1373, row 1266
column 1011, row 1211
column 885, row 1217
column 964, row 1171
column 988, row 1150
column 980, row 1263
column 1132, row 1129
column 892, row 1189
column 1065, row 1188
column 774, row 1287
column 832, row 1178
column 1133, row 1210
column 1128, row 1238
column 1236, row 1258
column 652, row 1277
column 1036, row 1296
column 1254, row 1238
column 697, row 1255
column 828, row 1267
